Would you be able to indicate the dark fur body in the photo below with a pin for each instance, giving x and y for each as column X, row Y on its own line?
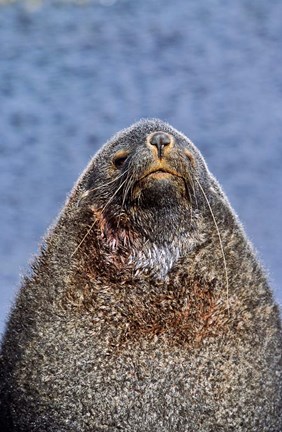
column 130, row 321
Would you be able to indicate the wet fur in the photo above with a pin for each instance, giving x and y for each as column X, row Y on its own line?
column 130, row 320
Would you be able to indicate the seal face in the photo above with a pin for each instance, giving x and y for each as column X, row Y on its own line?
column 147, row 309
column 149, row 183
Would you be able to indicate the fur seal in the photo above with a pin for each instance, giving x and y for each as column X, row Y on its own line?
column 146, row 309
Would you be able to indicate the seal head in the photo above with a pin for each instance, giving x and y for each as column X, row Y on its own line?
column 144, row 188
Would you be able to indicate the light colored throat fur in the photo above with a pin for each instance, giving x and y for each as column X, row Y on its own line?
column 158, row 260
column 154, row 258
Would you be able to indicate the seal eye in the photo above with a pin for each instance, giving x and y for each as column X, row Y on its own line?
column 120, row 158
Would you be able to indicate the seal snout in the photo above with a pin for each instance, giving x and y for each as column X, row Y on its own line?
column 160, row 141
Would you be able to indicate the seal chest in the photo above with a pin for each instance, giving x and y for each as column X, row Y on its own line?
column 146, row 309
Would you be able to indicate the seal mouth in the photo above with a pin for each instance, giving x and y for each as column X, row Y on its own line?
column 159, row 184
column 160, row 173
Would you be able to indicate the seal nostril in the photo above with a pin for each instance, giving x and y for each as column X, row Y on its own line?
column 160, row 140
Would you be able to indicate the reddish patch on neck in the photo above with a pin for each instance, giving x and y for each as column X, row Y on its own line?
column 177, row 316
column 116, row 233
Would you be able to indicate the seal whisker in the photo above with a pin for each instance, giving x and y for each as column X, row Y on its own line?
column 112, row 197
column 220, row 242
column 131, row 181
column 128, row 189
column 128, row 186
column 85, row 236
column 190, row 199
column 91, row 227
column 94, row 189
column 194, row 193
column 188, row 191
column 108, row 183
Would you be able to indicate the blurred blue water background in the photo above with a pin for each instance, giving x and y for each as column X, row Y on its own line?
column 73, row 74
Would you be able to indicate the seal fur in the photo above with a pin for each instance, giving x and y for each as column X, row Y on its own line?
column 146, row 309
